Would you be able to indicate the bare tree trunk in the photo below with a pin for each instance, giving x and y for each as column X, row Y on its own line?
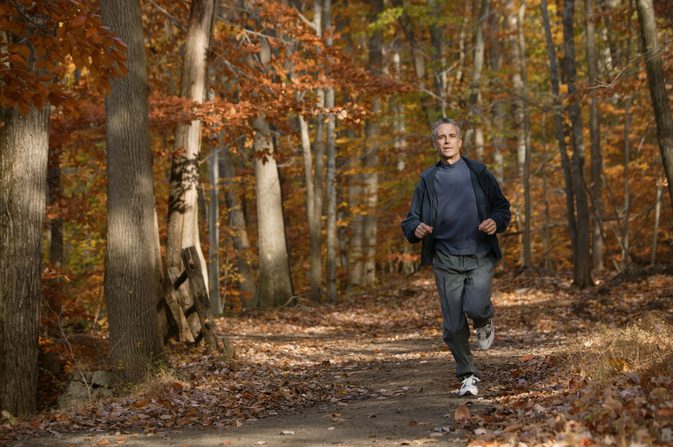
column 24, row 147
column 331, row 175
column 477, row 67
column 216, row 304
column 657, row 213
column 238, row 231
column 355, row 199
column 560, row 131
column 183, row 228
column 54, row 194
column 527, row 255
column 417, row 56
column 371, row 185
column 371, row 156
column 547, row 220
column 132, row 260
column 275, row 285
column 517, row 82
column 597, row 248
column 657, row 84
column 439, row 44
column 313, row 220
column 582, row 267
column 626, row 210
column 495, row 54
column 611, row 54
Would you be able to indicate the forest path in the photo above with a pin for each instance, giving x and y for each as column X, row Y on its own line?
column 396, row 369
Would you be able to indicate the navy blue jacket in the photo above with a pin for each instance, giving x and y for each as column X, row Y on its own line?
column 490, row 203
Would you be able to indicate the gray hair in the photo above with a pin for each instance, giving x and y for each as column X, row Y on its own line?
column 439, row 122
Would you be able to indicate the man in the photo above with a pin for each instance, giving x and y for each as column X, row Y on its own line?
column 455, row 212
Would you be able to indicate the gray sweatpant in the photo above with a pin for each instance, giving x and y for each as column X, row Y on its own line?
column 464, row 286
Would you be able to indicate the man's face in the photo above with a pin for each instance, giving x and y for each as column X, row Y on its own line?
column 448, row 143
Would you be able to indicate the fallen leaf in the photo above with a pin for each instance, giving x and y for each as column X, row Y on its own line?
column 462, row 413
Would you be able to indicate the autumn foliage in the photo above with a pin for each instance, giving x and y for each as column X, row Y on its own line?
column 607, row 373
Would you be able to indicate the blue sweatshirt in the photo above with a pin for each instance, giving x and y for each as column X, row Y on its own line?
column 456, row 229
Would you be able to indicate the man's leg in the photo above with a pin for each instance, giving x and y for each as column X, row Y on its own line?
column 477, row 303
column 450, row 278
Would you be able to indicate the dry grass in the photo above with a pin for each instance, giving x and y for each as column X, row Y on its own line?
column 644, row 345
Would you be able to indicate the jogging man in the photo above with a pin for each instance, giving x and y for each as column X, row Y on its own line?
column 456, row 211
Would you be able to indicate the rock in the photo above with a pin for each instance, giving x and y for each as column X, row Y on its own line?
column 101, row 379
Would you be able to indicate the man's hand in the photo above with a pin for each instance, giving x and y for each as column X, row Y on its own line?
column 488, row 226
column 422, row 230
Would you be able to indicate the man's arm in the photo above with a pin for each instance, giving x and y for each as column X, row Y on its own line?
column 500, row 212
column 413, row 219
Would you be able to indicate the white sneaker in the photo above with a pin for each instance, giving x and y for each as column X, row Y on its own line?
column 485, row 335
column 468, row 387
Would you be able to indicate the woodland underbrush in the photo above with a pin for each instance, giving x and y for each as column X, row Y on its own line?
column 611, row 383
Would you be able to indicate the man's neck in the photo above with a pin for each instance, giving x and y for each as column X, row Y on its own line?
column 451, row 161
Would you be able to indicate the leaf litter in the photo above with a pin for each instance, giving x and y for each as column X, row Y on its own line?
column 574, row 367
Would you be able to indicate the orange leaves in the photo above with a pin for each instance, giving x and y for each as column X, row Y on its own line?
column 43, row 38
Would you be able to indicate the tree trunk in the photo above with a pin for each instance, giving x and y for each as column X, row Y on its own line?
column 356, row 202
column 582, row 267
column 275, row 286
column 657, row 214
column 438, row 42
column 371, row 156
column 521, row 43
column 595, row 136
column 183, row 228
column 517, row 82
column 331, row 174
column 24, row 146
column 238, row 231
column 477, row 67
column 626, row 210
column 216, row 304
column 417, row 55
column 132, row 260
column 495, row 55
column 560, row 131
column 55, row 224
column 657, row 84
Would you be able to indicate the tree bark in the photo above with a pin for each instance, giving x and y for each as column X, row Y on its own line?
column 597, row 248
column 24, row 146
column 477, row 67
column 371, row 156
column 132, row 260
column 582, row 265
column 495, row 56
column 216, row 304
column 183, row 228
column 657, row 214
column 331, row 173
column 55, row 224
column 657, row 84
column 275, row 286
column 525, row 130
column 238, row 231
column 560, row 130
column 439, row 44
column 417, row 55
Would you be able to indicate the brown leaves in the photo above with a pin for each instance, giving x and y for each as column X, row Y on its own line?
column 61, row 33
column 462, row 413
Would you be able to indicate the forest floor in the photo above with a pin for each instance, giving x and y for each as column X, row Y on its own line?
column 568, row 367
